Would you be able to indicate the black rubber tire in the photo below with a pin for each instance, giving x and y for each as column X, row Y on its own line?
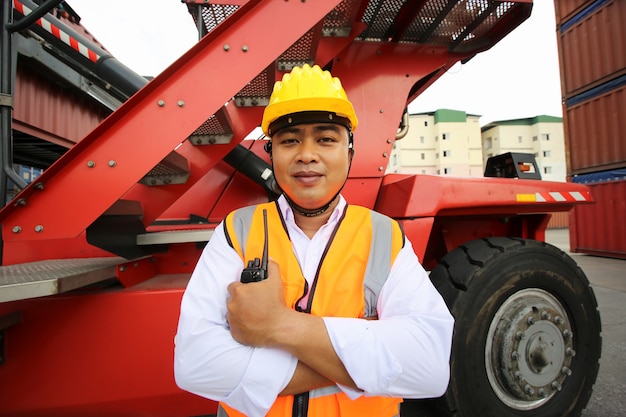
column 524, row 312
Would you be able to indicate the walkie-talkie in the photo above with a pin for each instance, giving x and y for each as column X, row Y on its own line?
column 257, row 268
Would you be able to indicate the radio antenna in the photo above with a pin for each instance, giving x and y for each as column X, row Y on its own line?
column 265, row 256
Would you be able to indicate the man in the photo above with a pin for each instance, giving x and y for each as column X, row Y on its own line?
column 347, row 322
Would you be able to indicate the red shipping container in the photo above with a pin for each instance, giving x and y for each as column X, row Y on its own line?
column 563, row 8
column 591, row 46
column 594, row 132
column 559, row 220
column 600, row 228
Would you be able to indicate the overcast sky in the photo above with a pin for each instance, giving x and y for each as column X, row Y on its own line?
column 517, row 78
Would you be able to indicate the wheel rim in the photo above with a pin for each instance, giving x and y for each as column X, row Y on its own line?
column 529, row 349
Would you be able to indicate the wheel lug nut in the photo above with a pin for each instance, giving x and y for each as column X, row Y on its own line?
column 556, row 386
column 570, row 352
column 519, row 335
column 541, row 393
column 558, row 320
column 545, row 315
column 567, row 333
column 566, row 371
column 530, row 321
column 515, row 356
column 529, row 390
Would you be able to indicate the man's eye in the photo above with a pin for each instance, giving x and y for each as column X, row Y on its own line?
column 288, row 141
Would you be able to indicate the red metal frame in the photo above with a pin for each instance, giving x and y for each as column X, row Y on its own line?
column 72, row 355
column 131, row 138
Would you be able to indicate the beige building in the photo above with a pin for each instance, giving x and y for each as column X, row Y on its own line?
column 443, row 142
column 451, row 142
column 541, row 136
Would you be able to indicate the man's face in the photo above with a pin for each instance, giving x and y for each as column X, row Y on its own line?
column 311, row 162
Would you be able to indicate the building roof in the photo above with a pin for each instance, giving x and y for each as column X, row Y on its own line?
column 528, row 121
column 447, row 115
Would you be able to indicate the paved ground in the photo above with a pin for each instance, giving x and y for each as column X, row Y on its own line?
column 608, row 280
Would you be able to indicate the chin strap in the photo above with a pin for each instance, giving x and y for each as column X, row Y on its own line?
column 309, row 212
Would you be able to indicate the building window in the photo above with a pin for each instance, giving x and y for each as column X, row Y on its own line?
column 421, row 139
column 445, row 136
column 422, row 156
column 395, row 159
column 546, row 154
column 534, row 138
column 520, row 139
column 425, row 122
column 447, row 154
column 536, row 154
column 545, row 136
column 447, row 171
column 488, row 143
column 547, row 170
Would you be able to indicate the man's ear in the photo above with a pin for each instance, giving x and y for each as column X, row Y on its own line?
column 351, row 145
column 268, row 148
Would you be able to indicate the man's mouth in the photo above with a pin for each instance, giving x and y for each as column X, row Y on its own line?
column 307, row 177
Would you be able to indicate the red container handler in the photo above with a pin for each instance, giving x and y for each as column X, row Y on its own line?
column 600, row 229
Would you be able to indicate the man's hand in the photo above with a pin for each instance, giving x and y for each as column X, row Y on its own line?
column 259, row 317
column 255, row 309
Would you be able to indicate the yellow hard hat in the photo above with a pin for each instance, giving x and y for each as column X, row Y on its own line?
column 308, row 95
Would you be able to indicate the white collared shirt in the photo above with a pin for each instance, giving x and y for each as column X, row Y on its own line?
column 405, row 353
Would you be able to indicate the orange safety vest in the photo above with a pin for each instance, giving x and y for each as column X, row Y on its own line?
column 361, row 251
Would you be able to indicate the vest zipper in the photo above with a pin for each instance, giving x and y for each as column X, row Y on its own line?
column 300, row 405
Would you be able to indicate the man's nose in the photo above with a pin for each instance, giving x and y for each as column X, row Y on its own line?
column 308, row 151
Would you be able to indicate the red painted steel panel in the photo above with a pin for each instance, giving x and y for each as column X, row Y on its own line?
column 592, row 49
column 564, row 8
column 85, row 338
column 594, row 130
column 600, row 229
column 50, row 112
column 402, row 196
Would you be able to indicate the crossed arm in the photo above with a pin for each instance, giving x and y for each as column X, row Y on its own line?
column 266, row 349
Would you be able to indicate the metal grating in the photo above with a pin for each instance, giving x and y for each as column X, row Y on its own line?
column 453, row 27
column 501, row 8
column 174, row 169
column 49, row 277
column 379, row 17
column 437, row 22
column 299, row 53
column 214, row 14
column 339, row 21
column 215, row 130
column 257, row 91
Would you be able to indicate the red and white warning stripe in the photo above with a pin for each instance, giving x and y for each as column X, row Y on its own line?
column 555, row 197
column 58, row 33
column 561, row 197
